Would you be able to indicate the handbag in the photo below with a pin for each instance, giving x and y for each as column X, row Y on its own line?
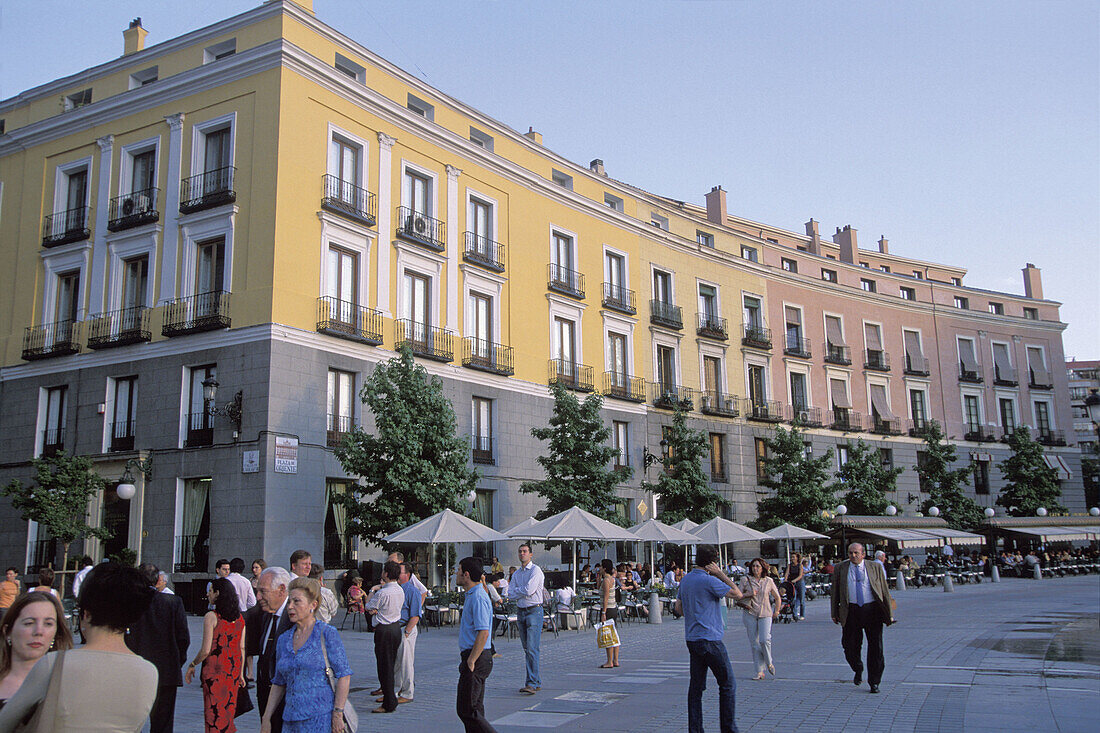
column 351, row 718
column 606, row 635
column 42, row 719
column 244, row 702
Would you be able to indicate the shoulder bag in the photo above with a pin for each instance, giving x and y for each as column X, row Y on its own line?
column 351, row 718
column 43, row 718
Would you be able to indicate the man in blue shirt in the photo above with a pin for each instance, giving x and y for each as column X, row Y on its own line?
column 526, row 588
column 699, row 599
column 473, row 637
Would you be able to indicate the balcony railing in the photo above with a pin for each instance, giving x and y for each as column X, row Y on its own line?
column 1004, row 378
column 66, row 226
column 919, row 426
column 207, row 190
column 482, row 449
column 882, row 426
column 197, row 313
column 192, row 553
column 60, row 338
column 347, row 199
column 484, row 251
column 53, row 441
column 347, row 320
column 662, row 313
column 487, row 356
column 978, row 433
column 841, row 355
column 338, row 551
column 761, row 410
column 711, row 326
column 796, row 347
column 565, row 281
column 122, row 435
column 1007, row 433
column 972, row 376
column 618, row 298
column 757, row 337
column 1052, row 437
column 916, row 367
column 427, row 341
column 133, row 209
column 670, row 396
column 809, row 417
column 1044, row 382
column 878, row 361
column 848, row 421
column 337, row 427
column 421, row 228
column 623, row 387
column 200, row 430
column 570, row 375
column 713, row 402
column 119, row 328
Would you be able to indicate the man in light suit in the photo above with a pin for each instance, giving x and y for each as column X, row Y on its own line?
column 861, row 603
column 271, row 595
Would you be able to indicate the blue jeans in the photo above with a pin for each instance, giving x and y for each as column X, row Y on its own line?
column 710, row 655
column 530, row 635
column 799, row 605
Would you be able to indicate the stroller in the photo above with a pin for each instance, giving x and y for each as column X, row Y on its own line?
column 786, row 605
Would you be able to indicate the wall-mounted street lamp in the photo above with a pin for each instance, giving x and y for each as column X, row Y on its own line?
column 648, row 459
column 126, row 489
column 231, row 410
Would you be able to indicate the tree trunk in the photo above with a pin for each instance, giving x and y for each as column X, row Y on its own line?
column 64, row 567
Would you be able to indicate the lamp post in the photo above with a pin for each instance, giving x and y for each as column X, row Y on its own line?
column 994, row 573
column 126, row 489
column 231, row 410
column 948, row 585
column 840, row 511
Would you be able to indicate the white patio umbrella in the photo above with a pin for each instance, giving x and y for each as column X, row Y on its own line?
column 788, row 532
column 687, row 525
column 446, row 527
column 575, row 524
column 511, row 531
column 719, row 532
column 653, row 531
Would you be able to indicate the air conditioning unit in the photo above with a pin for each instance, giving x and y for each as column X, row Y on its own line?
column 417, row 224
column 730, row 404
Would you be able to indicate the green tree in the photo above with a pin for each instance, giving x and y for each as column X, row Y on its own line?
column 684, row 489
column 1029, row 482
column 414, row 465
column 576, row 464
column 799, row 483
column 945, row 483
column 867, row 480
column 58, row 500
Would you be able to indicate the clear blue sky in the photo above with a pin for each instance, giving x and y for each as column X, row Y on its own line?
column 966, row 132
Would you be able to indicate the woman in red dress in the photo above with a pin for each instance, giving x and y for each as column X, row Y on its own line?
column 222, row 658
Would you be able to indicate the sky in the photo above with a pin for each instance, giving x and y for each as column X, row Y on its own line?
column 965, row 132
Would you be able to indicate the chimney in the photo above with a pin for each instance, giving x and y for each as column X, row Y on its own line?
column 1033, row 282
column 535, row 137
column 884, row 245
column 133, row 38
column 814, row 247
column 716, row 206
column 846, row 238
column 596, row 166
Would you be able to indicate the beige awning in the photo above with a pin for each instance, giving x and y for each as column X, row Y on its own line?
column 839, row 392
column 874, row 338
column 1038, row 368
column 912, row 346
column 793, row 315
column 905, row 538
column 880, row 403
column 832, row 331
column 955, row 536
column 966, row 355
column 1003, row 362
column 1054, row 534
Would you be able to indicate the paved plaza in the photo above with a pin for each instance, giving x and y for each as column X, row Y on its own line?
column 1021, row 654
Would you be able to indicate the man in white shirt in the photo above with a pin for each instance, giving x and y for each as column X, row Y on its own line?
column 221, row 569
column 526, row 588
column 385, row 604
column 86, row 565
column 162, row 584
column 246, row 597
column 948, row 552
column 328, row 606
column 670, row 576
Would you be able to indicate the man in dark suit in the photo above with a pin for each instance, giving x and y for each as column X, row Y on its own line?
column 271, row 595
column 161, row 637
column 861, row 603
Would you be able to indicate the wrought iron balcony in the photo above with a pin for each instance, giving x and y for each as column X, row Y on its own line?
column 570, row 375
column 978, row 433
column 338, row 427
column 878, row 361
column 421, row 228
column 1007, row 433
column 122, row 435
column 66, row 226
column 713, row 402
column 60, row 338
column 711, row 326
column 1052, row 437
column 53, row 441
column 487, row 356
column 662, row 313
column 482, row 449
column 669, row 396
column 757, row 337
column 193, row 553
column 971, row 376
column 882, row 426
column 1043, row 383
column 197, row 313
column 916, row 367
column 797, row 347
column 484, row 251
column 809, row 417
column 846, row 420
column 347, row 320
column 133, row 210
column 1004, row 377
column 919, row 426
column 623, row 387
column 618, row 298
column 565, row 281
column 841, row 355
column 200, row 430
column 346, row 199
column 207, row 190
column 761, row 410
column 427, row 341
column 338, row 551
column 119, row 328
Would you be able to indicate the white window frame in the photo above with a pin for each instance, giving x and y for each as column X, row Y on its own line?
column 704, row 239
column 1042, row 355
column 660, row 221
column 40, row 419
column 492, row 203
column 615, row 323
column 795, row 367
column 565, row 308
column 420, row 107
column 1049, row 402
column 763, row 307
column 881, row 336
column 481, row 138
column 147, row 75
column 211, row 53
column 344, row 65
column 109, row 406
column 717, row 296
column 607, row 249
column 126, row 162
column 978, row 392
column 485, row 284
column 126, row 246
column 761, row 361
column 333, row 164
column 1011, row 360
column 923, row 389
column 355, row 239
column 653, row 270
column 672, row 342
column 200, row 228
column 199, row 132
column 560, row 178
column 58, row 261
column 433, row 178
column 177, row 520
column 1010, row 395
column 879, row 381
column 413, row 258
column 563, row 232
column 61, row 183
column 613, row 202
column 714, row 351
column 844, row 376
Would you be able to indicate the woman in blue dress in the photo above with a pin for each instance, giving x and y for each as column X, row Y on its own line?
column 311, row 706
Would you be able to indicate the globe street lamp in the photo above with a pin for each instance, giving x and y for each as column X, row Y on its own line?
column 840, row 511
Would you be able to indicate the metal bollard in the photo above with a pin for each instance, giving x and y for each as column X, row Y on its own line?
column 994, row 574
column 948, row 584
column 654, row 608
column 900, row 581
column 1038, row 573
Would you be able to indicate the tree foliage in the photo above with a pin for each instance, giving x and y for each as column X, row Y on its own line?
column 867, row 480
column 799, row 484
column 683, row 487
column 945, row 483
column 414, row 465
column 577, row 459
column 1029, row 482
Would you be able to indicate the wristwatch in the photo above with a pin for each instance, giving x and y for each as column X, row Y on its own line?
column 337, row 710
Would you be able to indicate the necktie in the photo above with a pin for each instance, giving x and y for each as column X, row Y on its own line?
column 273, row 622
column 859, row 585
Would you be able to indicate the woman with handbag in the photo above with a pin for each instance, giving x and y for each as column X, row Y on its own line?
column 759, row 612
column 35, row 624
column 609, row 606
column 311, row 670
column 221, row 656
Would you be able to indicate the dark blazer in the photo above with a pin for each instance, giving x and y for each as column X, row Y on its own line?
column 265, row 666
column 161, row 637
column 880, row 589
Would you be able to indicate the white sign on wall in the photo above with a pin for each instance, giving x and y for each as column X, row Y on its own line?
column 286, row 455
column 250, row 461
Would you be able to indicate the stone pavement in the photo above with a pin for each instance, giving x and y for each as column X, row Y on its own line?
column 989, row 657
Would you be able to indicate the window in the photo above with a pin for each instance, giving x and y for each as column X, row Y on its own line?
column 799, row 401
column 865, row 265
column 135, row 289
column 828, row 276
column 122, row 415
column 219, row 51
column 345, row 165
column 666, row 367
column 922, row 477
column 867, row 285
column 666, row 436
column 662, row 286
column 753, row 313
column 758, row 393
column 614, row 202
column 563, row 258
column 957, row 281
column 350, row 69
column 761, row 447
column 704, row 238
column 886, row 457
column 961, row 302
column 884, row 268
column 619, row 437
column 75, row 201
column 788, row 264
column 565, row 332
column 708, row 303
column 217, row 153
column 841, row 456
column 1042, row 418
column 918, row 409
column 918, row 274
column 417, row 305
column 876, row 355
column 210, row 272
column 143, row 171
column 342, row 283
column 78, row 99
column 420, row 107
column 997, row 309
column 616, row 357
column 793, row 321
column 907, row 293
column 143, row 77
column 971, row 371
column 981, row 477
column 67, row 307
column 1039, row 376
column 192, row 551
column 749, row 253
column 1031, row 314
column 338, row 542
column 200, row 423
column 973, row 415
column 418, row 192
column 482, row 430
column 53, row 433
column 718, row 457
column 482, row 139
column 341, row 405
column 712, row 378
column 1003, row 373
column 562, row 179
column 838, row 392
column 1007, row 410
column 661, row 222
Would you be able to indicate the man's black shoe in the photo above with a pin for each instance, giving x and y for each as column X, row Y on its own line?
column 857, row 678
column 874, row 689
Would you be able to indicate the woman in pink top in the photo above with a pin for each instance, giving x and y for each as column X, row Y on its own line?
column 759, row 612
